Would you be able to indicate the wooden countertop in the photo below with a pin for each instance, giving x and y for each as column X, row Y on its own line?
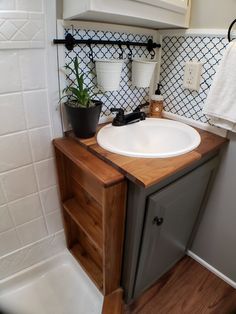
column 149, row 171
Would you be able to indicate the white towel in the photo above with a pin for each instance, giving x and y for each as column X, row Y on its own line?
column 220, row 105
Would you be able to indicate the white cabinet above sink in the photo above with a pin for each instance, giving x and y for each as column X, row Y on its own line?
column 180, row 6
column 143, row 13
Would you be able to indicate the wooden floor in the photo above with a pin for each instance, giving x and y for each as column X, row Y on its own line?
column 188, row 288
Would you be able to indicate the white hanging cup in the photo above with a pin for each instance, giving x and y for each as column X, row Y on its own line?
column 108, row 73
column 142, row 72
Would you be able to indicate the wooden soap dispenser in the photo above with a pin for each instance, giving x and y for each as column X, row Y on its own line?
column 156, row 104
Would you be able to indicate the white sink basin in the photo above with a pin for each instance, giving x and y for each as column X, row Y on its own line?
column 150, row 138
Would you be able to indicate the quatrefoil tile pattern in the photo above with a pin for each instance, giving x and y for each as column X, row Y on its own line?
column 127, row 96
column 19, row 30
column 177, row 50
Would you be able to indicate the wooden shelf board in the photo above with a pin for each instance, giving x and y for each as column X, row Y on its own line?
column 89, row 266
column 100, row 171
column 88, row 223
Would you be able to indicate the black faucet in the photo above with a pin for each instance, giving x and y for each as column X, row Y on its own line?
column 139, row 107
column 123, row 119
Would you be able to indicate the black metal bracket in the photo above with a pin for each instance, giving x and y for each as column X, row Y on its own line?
column 70, row 42
column 230, row 29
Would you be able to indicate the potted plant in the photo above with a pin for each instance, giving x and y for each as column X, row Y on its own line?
column 83, row 111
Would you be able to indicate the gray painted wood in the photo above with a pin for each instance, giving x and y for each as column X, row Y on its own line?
column 134, row 225
column 136, row 211
column 178, row 205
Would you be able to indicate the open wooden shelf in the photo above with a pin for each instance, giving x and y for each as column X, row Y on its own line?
column 93, row 196
column 86, row 262
column 86, row 221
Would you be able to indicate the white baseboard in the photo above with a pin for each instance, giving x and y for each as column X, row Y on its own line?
column 211, row 269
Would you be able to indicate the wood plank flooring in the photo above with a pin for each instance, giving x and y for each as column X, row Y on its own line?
column 188, row 288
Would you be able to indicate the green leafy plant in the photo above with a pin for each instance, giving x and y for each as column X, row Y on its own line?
column 78, row 94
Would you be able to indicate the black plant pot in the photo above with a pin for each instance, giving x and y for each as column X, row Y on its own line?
column 84, row 121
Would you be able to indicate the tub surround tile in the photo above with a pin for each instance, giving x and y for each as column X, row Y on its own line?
column 31, row 254
column 8, row 30
column 9, row 64
column 50, row 199
column 7, row 5
column 30, row 30
column 20, row 29
column 41, row 143
column 16, row 15
column 6, row 222
column 54, row 222
column 25, row 140
column 12, row 116
column 31, row 63
column 46, row 173
column 19, row 183
column 32, row 231
column 15, row 151
column 36, row 107
column 9, row 241
column 26, row 209
column 32, row 5
column 3, row 199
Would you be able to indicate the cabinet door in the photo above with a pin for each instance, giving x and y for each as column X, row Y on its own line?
column 170, row 217
column 172, row 5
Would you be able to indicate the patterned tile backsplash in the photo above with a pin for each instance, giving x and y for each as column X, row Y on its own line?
column 127, row 97
column 176, row 51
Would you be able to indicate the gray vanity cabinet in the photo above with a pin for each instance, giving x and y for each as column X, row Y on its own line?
column 169, row 216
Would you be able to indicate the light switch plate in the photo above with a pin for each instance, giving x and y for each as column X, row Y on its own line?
column 192, row 75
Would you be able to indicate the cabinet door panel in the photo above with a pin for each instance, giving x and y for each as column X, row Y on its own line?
column 178, row 205
column 172, row 5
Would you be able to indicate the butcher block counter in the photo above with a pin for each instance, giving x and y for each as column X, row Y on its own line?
column 149, row 171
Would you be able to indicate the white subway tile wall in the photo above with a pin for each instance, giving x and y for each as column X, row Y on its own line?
column 54, row 222
column 32, row 67
column 11, row 105
column 10, row 146
column 3, row 199
column 34, row 253
column 50, row 199
column 26, row 209
column 32, row 231
column 41, row 143
column 29, row 5
column 6, row 222
column 30, row 219
column 46, row 173
column 10, row 72
column 7, row 4
column 19, row 182
column 9, row 242
column 36, row 108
